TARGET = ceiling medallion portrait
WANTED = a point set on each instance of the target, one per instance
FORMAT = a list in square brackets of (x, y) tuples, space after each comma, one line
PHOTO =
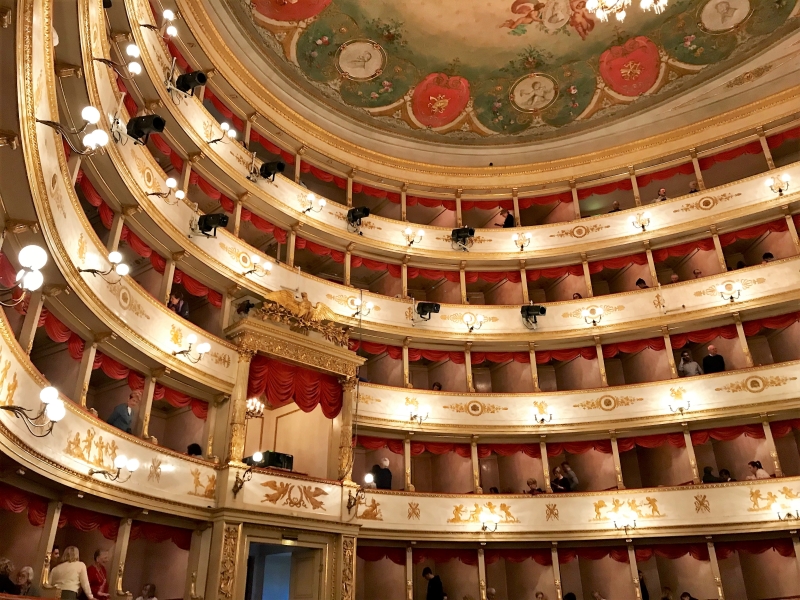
[(504, 68)]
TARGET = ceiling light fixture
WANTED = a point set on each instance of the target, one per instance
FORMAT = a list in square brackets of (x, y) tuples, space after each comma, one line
[(603, 8), (193, 358), (52, 411), (117, 267), (657, 6), (228, 133), (473, 322), (29, 278), (92, 141), (641, 221), (257, 267), (592, 315), (167, 28), (255, 409), (779, 185), (362, 309), (412, 237), (420, 414), (121, 462), (730, 290), (127, 72)]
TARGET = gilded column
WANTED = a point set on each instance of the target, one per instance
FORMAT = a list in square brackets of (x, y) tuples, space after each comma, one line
[(85, 372), (673, 369), (617, 462), (165, 287), (238, 408), (291, 243), (637, 588), (186, 172), (41, 566), (773, 451), (227, 303), (409, 487), (146, 404), (534, 369), (796, 544), (515, 202), (346, 436), (236, 223), (410, 573), (31, 321), (224, 561), (468, 366), (637, 198), (545, 464), (792, 227), (556, 569), (348, 258), (116, 571), (718, 248), (697, 172), (601, 361), (404, 202), (199, 555), (587, 275), (651, 263), (743, 339), (687, 438), (348, 572), (765, 147), (481, 574), (350, 188), (115, 232), (576, 205), (459, 219), (476, 466), (404, 277), (523, 281), (712, 555), (298, 161), (406, 372), (462, 279)]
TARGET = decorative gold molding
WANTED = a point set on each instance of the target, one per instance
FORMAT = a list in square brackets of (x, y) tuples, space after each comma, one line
[(306, 497), (755, 384), (474, 408), (227, 572), (608, 402)]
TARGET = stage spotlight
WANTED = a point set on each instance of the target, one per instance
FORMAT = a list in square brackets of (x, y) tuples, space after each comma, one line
[(354, 216), (270, 169), (425, 309), (207, 224), (188, 81), (529, 312), (461, 238), (140, 128)]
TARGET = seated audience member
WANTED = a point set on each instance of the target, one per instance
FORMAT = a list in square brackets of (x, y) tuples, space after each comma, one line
[(756, 470), (435, 587), (725, 475), (436, 387), (697, 273), (693, 187), (70, 575), (641, 284), (559, 482), (98, 578), (508, 219), (687, 596), (688, 366), (674, 278), (178, 305), (540, 596), (740, 265), (713, 363), (494, 490), (666, 593), (767, 257), (643, 587), (491, 594), (709, 477), (24, 581), (577, 296), (570, 596), (383, 478), (533, 487), (122, 415), (614, 207), (662, 195), (570, 474), (148, 592), (194, 450), (6, 585)]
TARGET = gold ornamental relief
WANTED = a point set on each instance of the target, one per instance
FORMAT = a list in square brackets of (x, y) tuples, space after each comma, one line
[(478, 239), (540, 406), (348, 567), (414, 511), (769, 499), (594, 310), (7, 399), (146, 173), (730, 286), (82, 248), (749, 76), (579, 231), (126, 300), (243, 258), (551, 512), (282, 307), (227, 573), (92, 451), (463, 515), (176, 335), (706, 203), (472, 317), (348, 301), (367, 399), (474, 408), (55, 194), (412, 402), (756, 384), (220, 358), (294, 496), (702, 504), (155, 470), (607, 402), (644, 509), (371, 512), (203, 490)]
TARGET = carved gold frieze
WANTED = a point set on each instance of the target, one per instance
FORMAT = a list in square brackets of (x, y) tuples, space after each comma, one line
[(371, 512), (645, 509), (348, 567), (348, 301), (294, 496), (478, 239), (756, 498), (459, 318), (659, 303), (367, 399), (409, 314), (414, 511), (7, 399), (706, 203), (749, 76), (207, 490), (146, 173), (282, 307), (462, 515), (755, 384), (221, 358), (551, 512), (126, 300), (702, 504), (93, 451), (593, 311), (729, 286), (580, 231), (82, 248), (475, 408), (155, 470), (176, 335), (56, 195), (412, 402), (607, 402), (227, 572), (540, 406)]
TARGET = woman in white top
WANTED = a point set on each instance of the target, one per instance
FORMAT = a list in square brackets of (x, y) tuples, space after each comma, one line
[(70, 575), (148, 592), (756, 470)]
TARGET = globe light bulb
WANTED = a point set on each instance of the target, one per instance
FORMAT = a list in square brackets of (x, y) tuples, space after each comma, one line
[(370, 305), (420, 233), (180, 194), (191, 338), (171, 183), (515, 237), (55, 411), (255, 259), (89, 141), (133, 51), (369, 478), (134, 68), (770, 182), (122, 269), (168, 15), (203, 348), (48, 395), (32, 257), (90, 114), (322, 202), (120, 461), (268, 266), (224, 126), (172, 31), (32, 281), (407, 231), (232, 134), (258, 457), (357, 302), (785, 178), (100, 137), (132, 465), (114, 257)]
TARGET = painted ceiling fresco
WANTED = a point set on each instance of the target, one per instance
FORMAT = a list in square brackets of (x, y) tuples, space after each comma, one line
[(473, 69)]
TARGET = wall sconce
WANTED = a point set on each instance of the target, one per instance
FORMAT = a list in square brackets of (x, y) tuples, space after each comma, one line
[(228, 133), (473, 322), (257, 268), (353, 500), (311, 207), (117, 266), (522, 241), (172, 185), (792, 515), (53, 410), (187, 352), (240, 480), (624, 522), (641, 221), (411, 237), (92, 141), (680, 407), (255, 409), (132, 69), (29, 278), (592, 315), (730, 290), (779, 185), (542, 419), (167, 28), (420, 415), (120, 463), (489, 521), (362, 309)]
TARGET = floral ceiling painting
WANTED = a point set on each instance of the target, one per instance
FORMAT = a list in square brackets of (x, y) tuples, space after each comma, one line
[(506, 68)]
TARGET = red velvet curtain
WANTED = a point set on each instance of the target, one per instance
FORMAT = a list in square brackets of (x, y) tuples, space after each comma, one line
[(709, 161), (395, 352), (632, 347), (431, 202), (773, 141), (783, 428), (556, 448), (703, 336), (500, 357), (441, 555), (172, 397), (508, 204), (676, 440), (782, 546), (542, 556), (566, 555), (554, 272), (493, 276), (415, 354), (684, 169), (281, 383), (375, 553), (663, 254), (672, 551), (195, 288), (376, 443), (778, 322), (755, 231), (543, 200), (156, 533), (434, 274), (532, 450), (545, 356), (607, 188), (617, 263), (417, 448), (727, 433)]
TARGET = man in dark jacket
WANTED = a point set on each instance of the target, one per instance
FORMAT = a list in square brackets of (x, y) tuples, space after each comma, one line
[(713, 363), (435, 588), (178, 305)]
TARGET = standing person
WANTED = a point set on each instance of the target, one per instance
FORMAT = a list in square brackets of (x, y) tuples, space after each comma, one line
[(508, 219), (383, 477), (693, 187), (643, 587), (662, 195), (55, 556), (71, 576), (570, 474), (559, 483), (122, 415), (98, 577), (148, 592), (688, 366), (756, 470), (6, 585), (713, 363), (435, 587)]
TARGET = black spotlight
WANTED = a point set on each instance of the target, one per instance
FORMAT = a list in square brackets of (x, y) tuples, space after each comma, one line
[(529, 312), (188, 81), (140, 128), (461, 238), (354, 216), (207, 224), (106, 3), (270, 169), (425, 309)]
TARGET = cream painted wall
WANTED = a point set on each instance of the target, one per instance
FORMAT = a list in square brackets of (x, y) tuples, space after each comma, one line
[(561, 213), (515, 470), (448, 292), (645, 366), (607, 576), (387, 285), (769, 575), (418, 375), (421, 473), (564, 288), (20, 538), (735, 454), (512, 377), (451, 474), (685, 574), (578, 374), (58, 367), (380, 580), (788, 454), (163, 564), (150, 280), (760, 350), (571, 580), (182, 428), (662, 466)]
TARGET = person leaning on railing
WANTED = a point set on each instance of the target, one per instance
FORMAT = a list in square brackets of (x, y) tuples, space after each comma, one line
[(70, 576)]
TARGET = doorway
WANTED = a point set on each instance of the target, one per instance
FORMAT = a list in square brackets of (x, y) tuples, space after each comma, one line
[(283, 572)]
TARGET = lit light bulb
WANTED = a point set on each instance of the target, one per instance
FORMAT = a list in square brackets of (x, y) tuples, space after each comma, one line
[(203, 348), (224, 126), (114, 258), (132, 465), (168, 15), (180, 194), (122, 269), (408, 231), (770, 181), (55, 411), (120, 461), (232, 134), (133, 51), (369, 478), (172, 31), (191, 338), (370, 305), (357, 302), (134, 68), (100, 137), (255, 259), (90, 140), (515, 237), (32, 281), (171, 183), (32, 257), (90, 114), (48, 395), (322, 202), (258, 457), (268, 266), (785, 178)]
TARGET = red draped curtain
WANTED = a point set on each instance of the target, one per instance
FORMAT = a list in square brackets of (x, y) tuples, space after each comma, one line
[(566, 555), (672, 551), (617, 263), (663, 254), (773, 141), (542, 556), (703, 336), (684, 169), (632, 347), (281, 383), (753, 232), (545, 356), (725, 434), (441, 555), (676, 440), (556, 448), (709, 161), (606, 188), (375, 553), (532, 450), (778, 322), (782, 546), (417, 448), (543, 200), (554, 272)]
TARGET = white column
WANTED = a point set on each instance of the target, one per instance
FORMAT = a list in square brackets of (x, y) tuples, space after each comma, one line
[(199, 554), (409, 487), (576, 205), (697, 172), (117, 569), (556, 569), (617, 462), (712, 555), (31, 321), (635, 185), (476, 466), (743, 339), (687, 438), (146, 406), (773, 451), (545, 464), (115, 232), (601, 361), (42, 563), (481, 574), (587, 276), (765, 147)]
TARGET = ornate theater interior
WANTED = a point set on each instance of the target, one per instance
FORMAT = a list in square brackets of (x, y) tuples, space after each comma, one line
[(379, 300)]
